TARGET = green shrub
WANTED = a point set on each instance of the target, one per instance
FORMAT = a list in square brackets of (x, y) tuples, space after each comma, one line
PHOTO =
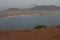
[(40, 26)]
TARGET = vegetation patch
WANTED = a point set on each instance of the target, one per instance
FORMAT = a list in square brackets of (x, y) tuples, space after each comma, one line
[(40, 26)]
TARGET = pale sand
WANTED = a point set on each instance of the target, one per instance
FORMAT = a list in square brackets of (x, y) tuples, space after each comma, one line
[(27, 12), (16, 16)]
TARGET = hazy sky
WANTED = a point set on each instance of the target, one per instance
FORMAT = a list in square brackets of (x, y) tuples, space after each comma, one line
[(23, 3)]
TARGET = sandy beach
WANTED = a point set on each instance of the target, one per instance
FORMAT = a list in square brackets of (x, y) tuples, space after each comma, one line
[(14, 13), (16, 16)]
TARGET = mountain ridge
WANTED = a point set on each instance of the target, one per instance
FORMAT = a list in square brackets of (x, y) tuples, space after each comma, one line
[(44, 7), (38, 7), (35, 10)]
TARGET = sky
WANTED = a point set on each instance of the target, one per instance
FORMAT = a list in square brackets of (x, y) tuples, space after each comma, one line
[(4, 4)]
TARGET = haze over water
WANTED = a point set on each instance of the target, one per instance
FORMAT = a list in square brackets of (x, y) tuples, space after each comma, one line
[(5, 4)]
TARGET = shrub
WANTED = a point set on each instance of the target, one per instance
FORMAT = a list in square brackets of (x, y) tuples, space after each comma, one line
[(40, 26)]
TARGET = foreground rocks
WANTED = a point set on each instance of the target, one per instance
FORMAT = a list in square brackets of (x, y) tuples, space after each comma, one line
[(50, 33)]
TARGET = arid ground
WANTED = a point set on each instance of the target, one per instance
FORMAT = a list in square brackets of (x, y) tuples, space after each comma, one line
[(12, 12), (50, 33)]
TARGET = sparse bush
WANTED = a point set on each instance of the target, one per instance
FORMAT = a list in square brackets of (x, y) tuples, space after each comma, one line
[(40, 26), (57, 25)]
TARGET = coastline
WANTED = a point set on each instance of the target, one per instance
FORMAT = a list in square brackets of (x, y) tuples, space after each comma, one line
[(16, 16), (11, 14)]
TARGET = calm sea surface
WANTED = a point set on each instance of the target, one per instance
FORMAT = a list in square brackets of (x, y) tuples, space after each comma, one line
[(29, 21)]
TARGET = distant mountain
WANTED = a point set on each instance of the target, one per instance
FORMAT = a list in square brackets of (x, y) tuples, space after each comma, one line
[(17, 11), (10, 10), (43, 7)]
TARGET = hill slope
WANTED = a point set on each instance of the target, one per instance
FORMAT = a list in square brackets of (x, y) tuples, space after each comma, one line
[(43, 7), (35, 10), (51, 33)]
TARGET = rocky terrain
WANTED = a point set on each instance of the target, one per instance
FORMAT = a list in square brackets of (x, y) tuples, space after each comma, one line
[(50, 33), (41, 10)]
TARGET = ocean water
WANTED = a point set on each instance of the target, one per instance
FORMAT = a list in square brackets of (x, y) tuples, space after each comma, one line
[(29, 21)]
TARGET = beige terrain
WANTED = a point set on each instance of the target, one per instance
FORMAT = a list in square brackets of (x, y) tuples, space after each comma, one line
[(11, 12), (50, 33)]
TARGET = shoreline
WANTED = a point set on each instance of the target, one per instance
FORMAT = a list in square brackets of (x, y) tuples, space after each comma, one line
[(22, 15), (10, 13), (16, 16)]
